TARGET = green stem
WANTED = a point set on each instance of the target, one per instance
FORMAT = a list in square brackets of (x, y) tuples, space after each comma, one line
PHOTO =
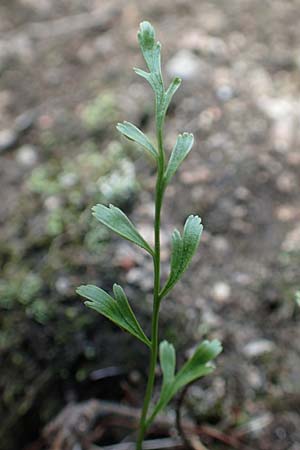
[(156, 298)]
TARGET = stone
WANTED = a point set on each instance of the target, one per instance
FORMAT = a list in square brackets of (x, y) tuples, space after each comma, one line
[(239, 212), (282, 133), (25, 121), (242, 193), (292, 240), (199, 175), (8, 139), (287, 213), (225, 93), (187, 66), (135, 377), (210, 319), (86, 54), (241, 278), (220, 245), (68, 179), (27, 155), (52, 202), (286, 182), (254, 378), (204, 43), (140, 277), (257, 424), (241, 226), (62, 285), (221, 292), (259, 347), (293, 159)]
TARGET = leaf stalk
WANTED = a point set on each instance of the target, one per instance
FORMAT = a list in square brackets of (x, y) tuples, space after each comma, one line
[(159, 193)]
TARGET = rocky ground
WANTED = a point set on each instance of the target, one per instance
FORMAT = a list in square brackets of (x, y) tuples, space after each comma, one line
[(66, 79)]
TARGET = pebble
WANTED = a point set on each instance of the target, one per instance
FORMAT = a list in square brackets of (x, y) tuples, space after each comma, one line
[(25, 121), (208, 117), (8, 139), (277, 108), (86, 54), (211, 319), (127, 258), (292, 240), (146, 230), (239, 212), (242, 193), (254, 378), (258, 348), (241, 226), (241, 278), (206, 44), (134, 377), (68, 179), (200, 175), (225, 93), (52, 202), (282, 133), (257, 424), (103, 45), (220, 245), (62, 285), (286, 213), (186, 65), (293, 159), (140, 277), (286, 182), (221, 292), (27, 155)]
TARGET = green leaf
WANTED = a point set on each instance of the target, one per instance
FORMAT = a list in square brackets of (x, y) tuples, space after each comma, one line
[(170, 92), (183, 249), (132, 132), (181, 149), (152, 54), (118, 222), (196, 367), (150, 48), (116, 309), (167, 358), (155, 81), (125, 308), (199, 364)]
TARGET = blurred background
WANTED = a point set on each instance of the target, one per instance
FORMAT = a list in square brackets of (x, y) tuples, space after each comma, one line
[(65, 80)]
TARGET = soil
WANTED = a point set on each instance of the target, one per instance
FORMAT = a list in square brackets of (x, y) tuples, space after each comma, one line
[(66, 79)]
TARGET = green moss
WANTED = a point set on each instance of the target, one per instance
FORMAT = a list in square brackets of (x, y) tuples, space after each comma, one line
[(100, 112), (46, 335)]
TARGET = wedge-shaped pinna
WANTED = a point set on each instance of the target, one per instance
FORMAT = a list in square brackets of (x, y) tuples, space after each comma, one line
[(133, 133), (152, 54), (183, 249), (150, 48), (181, 149), (116, 309), (118, 222), (199, 365)]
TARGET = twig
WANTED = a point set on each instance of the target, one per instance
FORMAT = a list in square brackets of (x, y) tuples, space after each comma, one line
[(155, 444), (192, 441), (218, 435), (76, 422)]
